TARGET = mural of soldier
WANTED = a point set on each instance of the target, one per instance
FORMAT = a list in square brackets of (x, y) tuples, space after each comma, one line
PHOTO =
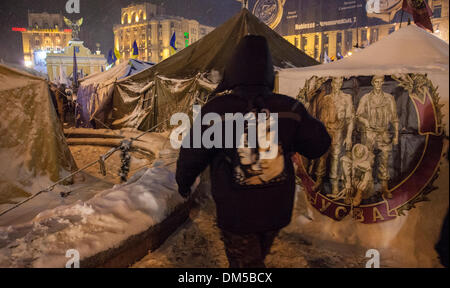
[(378, 181), (357, 171), (376, 112), (336, 111)]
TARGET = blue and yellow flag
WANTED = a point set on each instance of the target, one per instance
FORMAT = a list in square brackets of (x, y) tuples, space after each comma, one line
[(117, 55), (111, 57), (75, 68), (173, 44), (135, 51)]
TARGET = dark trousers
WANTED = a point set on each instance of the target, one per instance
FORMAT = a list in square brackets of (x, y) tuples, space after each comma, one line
[(248, 250)]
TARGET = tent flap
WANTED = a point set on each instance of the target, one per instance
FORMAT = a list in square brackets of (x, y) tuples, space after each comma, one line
[(32, 141), (190, 75)]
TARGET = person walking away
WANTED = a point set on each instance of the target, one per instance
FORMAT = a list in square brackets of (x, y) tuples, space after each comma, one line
[(254, 194)]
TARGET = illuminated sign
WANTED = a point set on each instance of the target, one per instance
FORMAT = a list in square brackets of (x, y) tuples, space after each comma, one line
[(16, 29), (186, 37), (40, 60), (312, 16)]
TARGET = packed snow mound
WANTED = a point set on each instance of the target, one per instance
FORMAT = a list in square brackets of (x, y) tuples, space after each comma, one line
[(96, 225)]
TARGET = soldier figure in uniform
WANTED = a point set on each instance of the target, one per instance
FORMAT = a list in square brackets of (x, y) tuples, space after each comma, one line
[(376, 112), (357, 170), (336, 111)]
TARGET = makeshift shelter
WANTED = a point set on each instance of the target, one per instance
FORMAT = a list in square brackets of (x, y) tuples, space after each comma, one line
[(188, 77), (33, 150), (94, 95), (415, 68)]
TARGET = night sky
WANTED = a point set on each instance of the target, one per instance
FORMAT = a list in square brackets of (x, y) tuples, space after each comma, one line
[(99, 18)]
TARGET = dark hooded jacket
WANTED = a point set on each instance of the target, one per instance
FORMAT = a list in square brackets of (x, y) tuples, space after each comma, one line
[(249, 78)]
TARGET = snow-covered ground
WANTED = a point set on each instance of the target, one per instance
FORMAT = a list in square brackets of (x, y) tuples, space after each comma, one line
[(95, 216), (197, 244), (95, 225), (87, 184)]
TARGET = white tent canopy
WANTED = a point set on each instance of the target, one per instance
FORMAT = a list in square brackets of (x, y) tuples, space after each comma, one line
[(408, 50)]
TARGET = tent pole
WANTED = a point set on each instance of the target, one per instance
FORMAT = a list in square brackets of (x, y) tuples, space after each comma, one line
[(401, 18), (357, 26)]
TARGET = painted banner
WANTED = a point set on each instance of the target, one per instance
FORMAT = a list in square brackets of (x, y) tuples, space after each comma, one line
[(387, 143)]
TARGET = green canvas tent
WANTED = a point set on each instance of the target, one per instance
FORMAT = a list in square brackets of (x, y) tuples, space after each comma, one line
[(150, 97), (33, 150)]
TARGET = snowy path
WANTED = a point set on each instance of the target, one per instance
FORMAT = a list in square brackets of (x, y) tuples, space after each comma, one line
[(197, 244)]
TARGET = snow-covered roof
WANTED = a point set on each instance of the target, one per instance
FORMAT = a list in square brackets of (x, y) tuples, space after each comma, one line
[(119, 71), (408, 50)]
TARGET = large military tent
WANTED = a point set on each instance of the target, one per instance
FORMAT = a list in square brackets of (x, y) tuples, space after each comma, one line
[(150, 97), (404, 228), (94, 95), (33, 150)]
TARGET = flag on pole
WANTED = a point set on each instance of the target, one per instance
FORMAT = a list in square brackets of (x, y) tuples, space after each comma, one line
[(75, 68), (62, 76), (135, 51), (421, 12), (111, 57), (326, 59), (173, 44), (116, 55)]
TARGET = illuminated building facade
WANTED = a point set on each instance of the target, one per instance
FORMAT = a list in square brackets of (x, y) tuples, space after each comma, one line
[(335, 27), (45, 34), (60, 65), (152, 30)]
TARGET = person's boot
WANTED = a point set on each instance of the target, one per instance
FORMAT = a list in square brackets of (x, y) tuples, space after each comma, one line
[(318, 184), (358, 198), (385, 190), (348, 195)]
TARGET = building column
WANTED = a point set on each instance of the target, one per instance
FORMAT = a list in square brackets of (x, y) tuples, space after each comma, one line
[(54, 72), (332, 44)]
